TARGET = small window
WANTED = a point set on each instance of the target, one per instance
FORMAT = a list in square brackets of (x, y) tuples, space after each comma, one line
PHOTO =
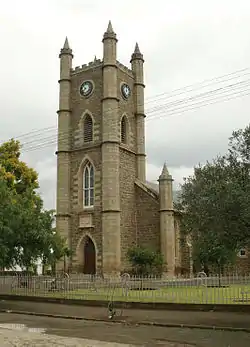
[(242, 253), (124, 130), (88, 185), (88, 129)]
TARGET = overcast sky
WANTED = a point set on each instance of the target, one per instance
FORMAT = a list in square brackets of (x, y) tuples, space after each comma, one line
[(183, 42)]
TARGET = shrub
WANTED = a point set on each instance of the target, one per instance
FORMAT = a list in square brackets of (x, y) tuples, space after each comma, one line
[(144, 261)]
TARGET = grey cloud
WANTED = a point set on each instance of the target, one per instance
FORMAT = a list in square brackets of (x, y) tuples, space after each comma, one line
[(44, 162), (48, 192), (186, 154), (187, 43), (194, 137)]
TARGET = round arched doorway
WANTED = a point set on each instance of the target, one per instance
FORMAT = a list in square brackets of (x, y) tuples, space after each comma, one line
[(89, 256)]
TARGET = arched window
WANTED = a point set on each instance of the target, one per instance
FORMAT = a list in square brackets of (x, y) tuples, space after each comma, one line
[(88, 185), (124, 129), (88, 129)]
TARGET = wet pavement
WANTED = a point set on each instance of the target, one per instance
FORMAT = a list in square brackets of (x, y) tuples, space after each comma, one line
[(12, 337), (63, 332)]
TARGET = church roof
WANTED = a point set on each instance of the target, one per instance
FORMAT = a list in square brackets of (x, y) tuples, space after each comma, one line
[(155, 187)]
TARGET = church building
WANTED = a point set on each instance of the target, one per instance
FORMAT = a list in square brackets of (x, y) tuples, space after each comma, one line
[(104, 203)]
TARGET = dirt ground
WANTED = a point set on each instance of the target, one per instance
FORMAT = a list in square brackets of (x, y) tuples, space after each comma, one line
[(128, 334)]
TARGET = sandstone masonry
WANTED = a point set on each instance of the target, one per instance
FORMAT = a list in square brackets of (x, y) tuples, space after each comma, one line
[(104, 203)]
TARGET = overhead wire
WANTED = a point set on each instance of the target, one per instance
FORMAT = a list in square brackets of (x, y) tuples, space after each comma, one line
[(227, 90), (64, 136), (176, 92), (222, 98), (179, 106)]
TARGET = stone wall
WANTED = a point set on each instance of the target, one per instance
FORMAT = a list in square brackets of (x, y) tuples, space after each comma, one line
[(147, 217), (77, 231), (127, 194), (183, 256), (127, 107), (93, 104)]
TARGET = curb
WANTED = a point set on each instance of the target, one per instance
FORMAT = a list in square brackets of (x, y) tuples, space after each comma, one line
[(232, 308), (119, 321)]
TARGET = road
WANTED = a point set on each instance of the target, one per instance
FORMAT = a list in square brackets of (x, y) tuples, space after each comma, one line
[(130, 335)]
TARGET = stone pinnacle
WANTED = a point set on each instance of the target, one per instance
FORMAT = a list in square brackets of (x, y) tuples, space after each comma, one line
[(137, 49), (110, 28), (66, 43)]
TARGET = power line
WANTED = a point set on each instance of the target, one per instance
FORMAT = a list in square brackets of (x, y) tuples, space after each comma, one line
[(207, 94), (183, 90), (199, 85), (172, 106), (64, 135), (215, 100), (235, 96)]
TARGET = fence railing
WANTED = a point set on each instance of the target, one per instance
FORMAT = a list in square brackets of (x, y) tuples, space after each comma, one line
[(199, 290)]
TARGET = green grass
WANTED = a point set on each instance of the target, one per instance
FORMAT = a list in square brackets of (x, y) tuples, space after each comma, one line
[(197, 295)]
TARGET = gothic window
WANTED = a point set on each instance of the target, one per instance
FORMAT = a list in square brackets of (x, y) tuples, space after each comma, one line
[(88, 185), (88, 129), (124, 130)]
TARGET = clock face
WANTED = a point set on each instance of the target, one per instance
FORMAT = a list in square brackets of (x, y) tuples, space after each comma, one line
[(125, 91), (86, 88)]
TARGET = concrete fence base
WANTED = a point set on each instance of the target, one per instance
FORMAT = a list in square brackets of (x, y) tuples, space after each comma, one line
[(133, 305)]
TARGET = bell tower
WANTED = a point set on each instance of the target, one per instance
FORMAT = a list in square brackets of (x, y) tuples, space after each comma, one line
[(101, 154)]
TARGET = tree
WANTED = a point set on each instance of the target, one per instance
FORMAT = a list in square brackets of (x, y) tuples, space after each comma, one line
[(16, 173), (216, 204), (8, 225), (56, 249), (25, 226), (145, 261), (35, 231)]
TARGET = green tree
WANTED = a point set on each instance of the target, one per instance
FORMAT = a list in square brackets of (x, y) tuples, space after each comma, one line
[(16, 173), (216, 205), (9, 208), (26, 227), (35, 231), (144, 261), (56, 249)]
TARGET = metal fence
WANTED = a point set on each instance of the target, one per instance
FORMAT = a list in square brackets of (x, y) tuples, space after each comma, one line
[(198, 290)]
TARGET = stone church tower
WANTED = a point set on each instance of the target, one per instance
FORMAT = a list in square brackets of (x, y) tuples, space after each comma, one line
[(104, 204)]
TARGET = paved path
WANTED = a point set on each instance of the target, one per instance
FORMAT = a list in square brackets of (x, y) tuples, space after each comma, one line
[(10, 337), (217, 319), (116, 334)]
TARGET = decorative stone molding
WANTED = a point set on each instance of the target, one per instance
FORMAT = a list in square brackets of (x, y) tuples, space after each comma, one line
[(86, 221)]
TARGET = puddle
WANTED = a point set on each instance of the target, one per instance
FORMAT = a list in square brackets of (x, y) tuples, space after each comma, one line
[(22, 327)]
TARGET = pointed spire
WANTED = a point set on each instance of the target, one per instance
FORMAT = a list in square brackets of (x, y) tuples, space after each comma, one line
[(95, 59), (137, 54), (165, 170), (110, 28), (66, 50), (109, 33), (165, 173), (137, 49), (66, 44)]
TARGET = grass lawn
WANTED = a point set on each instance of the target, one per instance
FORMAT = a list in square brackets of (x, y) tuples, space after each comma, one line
[(235, 294)]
